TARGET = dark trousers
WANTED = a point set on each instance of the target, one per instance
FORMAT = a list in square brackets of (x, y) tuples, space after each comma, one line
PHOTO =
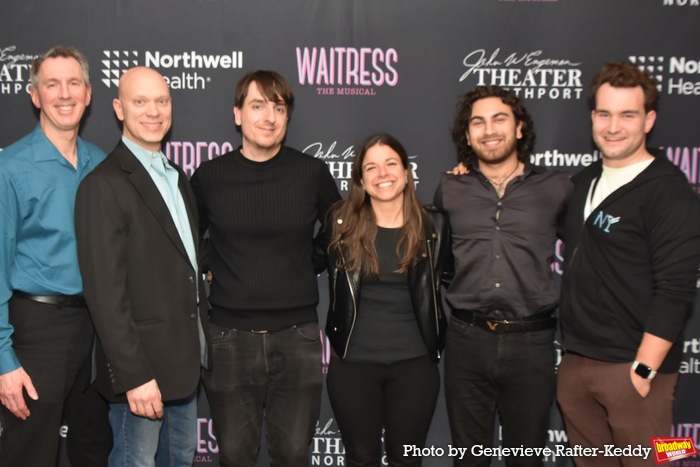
[(54, 347), (601, 407), (398, 397), (511, 374), (276, 375), (89, 439)]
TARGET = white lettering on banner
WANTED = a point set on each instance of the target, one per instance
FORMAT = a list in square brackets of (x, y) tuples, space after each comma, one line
[(327, 446), (6, 56), (554, 158), (683, 65), (690, 367), (683, 88), (680, 86), (14, 76), (526, 74), (193, 59), (340, 168), (316, 150), (186, 81), (692, 346), (557, 436), (681, 2), (116, 62), (10, 72)]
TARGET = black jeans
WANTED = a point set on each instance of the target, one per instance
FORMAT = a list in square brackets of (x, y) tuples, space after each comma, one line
[(399, 397), (511, 374), (276, 375)]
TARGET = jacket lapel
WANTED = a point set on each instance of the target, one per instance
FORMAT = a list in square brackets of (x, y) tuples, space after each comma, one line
[(150, 195)]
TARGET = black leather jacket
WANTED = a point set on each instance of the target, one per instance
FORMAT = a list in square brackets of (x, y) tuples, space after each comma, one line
[(424, 286)]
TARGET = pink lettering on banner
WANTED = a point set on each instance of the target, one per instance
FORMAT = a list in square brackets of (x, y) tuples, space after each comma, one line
[(189, 155), (206, 441), (347, 66), (325, 353), (686, 158)]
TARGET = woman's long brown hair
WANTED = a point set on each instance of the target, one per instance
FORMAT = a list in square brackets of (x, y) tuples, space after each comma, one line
[(355, 226)]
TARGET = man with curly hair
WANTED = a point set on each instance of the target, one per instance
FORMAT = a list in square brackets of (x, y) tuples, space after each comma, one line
[(504, 214)]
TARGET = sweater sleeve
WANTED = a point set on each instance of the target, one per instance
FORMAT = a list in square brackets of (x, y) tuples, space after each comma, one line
[(674, 250)]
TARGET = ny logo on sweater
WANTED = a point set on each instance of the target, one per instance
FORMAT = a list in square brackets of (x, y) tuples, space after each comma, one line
[(605, 221)]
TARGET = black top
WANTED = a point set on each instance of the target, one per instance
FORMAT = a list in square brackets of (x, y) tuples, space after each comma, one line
[(503, 247), (386, 330), (261, 218)]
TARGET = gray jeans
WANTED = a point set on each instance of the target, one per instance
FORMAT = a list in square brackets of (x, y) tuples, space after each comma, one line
[(276, 375)]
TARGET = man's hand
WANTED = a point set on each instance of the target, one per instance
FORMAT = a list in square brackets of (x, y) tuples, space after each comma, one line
[(11, 385), (461, 169), (643, 386), (145, 401)]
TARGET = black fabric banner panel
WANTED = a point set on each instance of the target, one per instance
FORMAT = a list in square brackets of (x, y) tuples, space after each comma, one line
[(359, 67)]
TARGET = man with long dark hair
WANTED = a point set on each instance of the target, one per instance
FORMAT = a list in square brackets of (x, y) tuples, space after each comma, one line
[(504, 214)]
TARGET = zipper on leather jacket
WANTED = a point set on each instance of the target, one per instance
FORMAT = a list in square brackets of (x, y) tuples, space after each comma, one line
[(434, 294), (354, 304)]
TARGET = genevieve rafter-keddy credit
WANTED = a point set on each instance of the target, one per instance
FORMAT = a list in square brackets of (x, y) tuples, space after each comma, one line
[(559, 450)]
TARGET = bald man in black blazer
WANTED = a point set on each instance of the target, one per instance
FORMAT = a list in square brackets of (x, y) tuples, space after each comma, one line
[(137, 248)]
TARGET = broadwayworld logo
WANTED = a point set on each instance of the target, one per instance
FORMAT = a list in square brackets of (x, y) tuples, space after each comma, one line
[(671, 449)]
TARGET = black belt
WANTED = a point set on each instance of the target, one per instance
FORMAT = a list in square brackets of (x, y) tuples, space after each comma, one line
[(68, 301), (537, 322)]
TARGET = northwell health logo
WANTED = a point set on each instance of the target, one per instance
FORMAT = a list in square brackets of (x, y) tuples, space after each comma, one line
[(180, 70), (676, 75), (652, 65), (115, 63)]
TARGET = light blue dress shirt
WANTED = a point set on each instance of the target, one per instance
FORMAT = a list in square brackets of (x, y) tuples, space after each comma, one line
[(166, 180), (38, 253)]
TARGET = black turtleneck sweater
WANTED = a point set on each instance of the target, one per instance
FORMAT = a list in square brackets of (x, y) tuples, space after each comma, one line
[(261, 218)]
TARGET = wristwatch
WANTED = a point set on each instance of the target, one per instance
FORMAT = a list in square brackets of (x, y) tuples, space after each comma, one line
[(643, 370)]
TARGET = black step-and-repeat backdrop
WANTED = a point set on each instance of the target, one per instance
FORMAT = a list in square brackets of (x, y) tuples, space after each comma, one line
[(362, 66)]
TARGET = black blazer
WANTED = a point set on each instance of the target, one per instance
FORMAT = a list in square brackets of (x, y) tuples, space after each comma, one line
[(138, 281)]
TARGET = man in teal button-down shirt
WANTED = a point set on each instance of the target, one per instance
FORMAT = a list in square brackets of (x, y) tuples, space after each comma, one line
[(46, 334)]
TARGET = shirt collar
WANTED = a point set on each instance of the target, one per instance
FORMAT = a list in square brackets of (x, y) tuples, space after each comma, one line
[(45, 150), (144, 156)]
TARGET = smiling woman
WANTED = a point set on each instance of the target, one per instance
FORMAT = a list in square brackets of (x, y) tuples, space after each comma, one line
[(387, 250)]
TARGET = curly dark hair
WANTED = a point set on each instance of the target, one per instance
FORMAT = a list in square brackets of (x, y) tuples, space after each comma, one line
[(464, 113), (624, 75)]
